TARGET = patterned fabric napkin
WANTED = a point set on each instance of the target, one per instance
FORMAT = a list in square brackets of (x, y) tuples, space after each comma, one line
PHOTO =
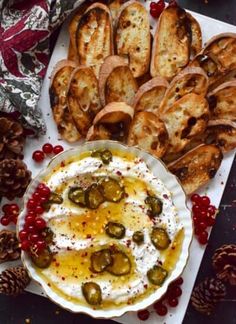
[(25, 28)]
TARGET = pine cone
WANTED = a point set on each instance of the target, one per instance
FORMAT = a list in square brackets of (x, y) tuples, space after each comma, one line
[(13, 281), (224, 263), (14, 178), (9, 246), (207, 294), (11, 139)]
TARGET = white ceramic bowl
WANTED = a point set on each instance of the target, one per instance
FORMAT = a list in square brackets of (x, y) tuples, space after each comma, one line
[(179, 199)]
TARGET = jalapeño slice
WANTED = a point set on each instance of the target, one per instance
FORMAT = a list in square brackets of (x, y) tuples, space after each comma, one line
[(111, 189), (92, 293), (157, 275)]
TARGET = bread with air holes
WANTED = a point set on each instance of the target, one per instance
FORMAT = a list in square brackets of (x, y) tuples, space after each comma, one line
[(149, 133), (83, 98), (197, 167), (95, 36), (190, 80), (172, 43), (222, 101), (116, 81), (132, 36), (58, 90), (150, 95), (185, 119)]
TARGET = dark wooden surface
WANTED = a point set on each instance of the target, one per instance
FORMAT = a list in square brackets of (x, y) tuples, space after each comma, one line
[(40, 310)]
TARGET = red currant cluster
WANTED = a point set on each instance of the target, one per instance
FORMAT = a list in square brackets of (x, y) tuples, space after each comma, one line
[(203, 216), (31, 235), (156, 8), (11, 212), (170, 298), (39, 155)]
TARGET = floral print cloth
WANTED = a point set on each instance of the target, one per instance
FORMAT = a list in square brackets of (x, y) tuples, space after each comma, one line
[(25, 28)]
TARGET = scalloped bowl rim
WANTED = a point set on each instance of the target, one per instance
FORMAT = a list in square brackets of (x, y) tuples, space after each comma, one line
[(179, 199)]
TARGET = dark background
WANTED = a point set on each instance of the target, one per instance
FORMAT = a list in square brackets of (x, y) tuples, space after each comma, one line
[(40, 310)]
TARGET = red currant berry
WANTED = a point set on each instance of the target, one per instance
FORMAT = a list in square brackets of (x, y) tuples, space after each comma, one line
[(14, 220), (196, 220), (31, 204), (47, 148), (29, 220), (39, 210), (5, 221), (197, 230), (58, 149), (34, 237), (195, 198), (153, 5), (211, 210), (45, 191), (179, 281), (40, 186), (40, 245), (175, 291), (143, 315), (5, 208), (38, 156), (23, 234), (210, 221), (196, 209), (161, 310), (14, 209), (203, 237), (203, 215), (173, 302), (202, 226), (40, 223), (205, 200), (25, 245), (36, 196), (43, 200), (30, 228)]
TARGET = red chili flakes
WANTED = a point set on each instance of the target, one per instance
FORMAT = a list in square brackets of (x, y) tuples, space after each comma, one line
[(145, 286), (63, 278), (83, 223), (128, 243), (57, 264), (62, 164), (118, 173), (49, 285), (165, 196), (84, 254), (88, 236)]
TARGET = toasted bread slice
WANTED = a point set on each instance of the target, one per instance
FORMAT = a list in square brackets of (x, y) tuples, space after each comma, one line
[(133, 38), (98, 132), (190, 80), (196, 43), (58, 87), (116, 81), (115, 118), (171, 45), (227, 76), (150, 95), (222, 101), (187, 118), (95, 36), (148, 132), (72, 53), (197, 167), (83, 98)]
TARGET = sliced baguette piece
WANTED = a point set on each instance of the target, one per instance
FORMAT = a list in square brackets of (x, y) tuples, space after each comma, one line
[(190, 80), (148, 132), (58, 88), (133, 39), (187, 118), (172, 42), (98, 132), (222, 101), (196, 43), (115, 117), (95, 36), (150, 95), (227, 76), (116, 81), (197, 167), (114, 7), (83, 98)]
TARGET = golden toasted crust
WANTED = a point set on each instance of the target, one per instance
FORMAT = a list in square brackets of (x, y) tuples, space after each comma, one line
[(197, 167), (115, 117), (83, 99), (185, 119), (95, 36), (226, 76), (148, 132), (116, 82), (98, 132), (171, 45), (115, 6), (190, 80), (58, 89), (222, 101), (133, 38), (150, 95), (196, 44)]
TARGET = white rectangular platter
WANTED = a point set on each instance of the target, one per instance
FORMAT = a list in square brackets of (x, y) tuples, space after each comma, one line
[(214, 190)]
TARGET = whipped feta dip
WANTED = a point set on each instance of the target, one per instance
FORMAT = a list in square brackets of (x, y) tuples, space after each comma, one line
[(79, 231)]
